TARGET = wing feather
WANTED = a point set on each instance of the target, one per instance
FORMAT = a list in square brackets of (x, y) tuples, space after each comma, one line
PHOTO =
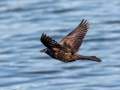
[(74, 39), (49, 42)]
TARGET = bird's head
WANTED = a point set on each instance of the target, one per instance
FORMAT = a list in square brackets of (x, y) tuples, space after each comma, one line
[(47, 51), (43, 50)]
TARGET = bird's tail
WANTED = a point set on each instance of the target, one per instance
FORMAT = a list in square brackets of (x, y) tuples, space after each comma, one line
[(93, 58)]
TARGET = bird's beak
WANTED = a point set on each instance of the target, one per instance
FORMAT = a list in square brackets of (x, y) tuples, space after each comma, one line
[(42, 51)]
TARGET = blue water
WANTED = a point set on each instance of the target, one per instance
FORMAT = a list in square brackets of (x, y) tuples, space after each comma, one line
[(22, 22)]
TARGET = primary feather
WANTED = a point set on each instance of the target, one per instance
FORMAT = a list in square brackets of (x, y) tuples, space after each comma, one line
[(74, 39)]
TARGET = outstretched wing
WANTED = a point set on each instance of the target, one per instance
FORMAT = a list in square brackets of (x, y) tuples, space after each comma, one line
[(49, 42), (74, 39)]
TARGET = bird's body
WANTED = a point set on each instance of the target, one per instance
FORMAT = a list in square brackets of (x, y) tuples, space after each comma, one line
[(67, 50), (63, 56), (68, 56)]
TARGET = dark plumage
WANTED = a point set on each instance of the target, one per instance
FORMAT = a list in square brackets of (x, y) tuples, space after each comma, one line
[(67, 50)]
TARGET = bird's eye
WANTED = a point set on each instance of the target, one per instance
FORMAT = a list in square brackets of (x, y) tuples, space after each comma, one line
[(45, 49)]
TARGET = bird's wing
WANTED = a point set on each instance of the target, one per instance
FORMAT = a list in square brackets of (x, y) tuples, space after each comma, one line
[(49, 42), (74, 39)]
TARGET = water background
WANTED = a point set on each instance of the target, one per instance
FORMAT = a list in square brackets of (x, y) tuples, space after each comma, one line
[(22, 22)]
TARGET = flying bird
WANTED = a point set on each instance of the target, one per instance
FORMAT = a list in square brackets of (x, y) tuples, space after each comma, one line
[(66, 50)]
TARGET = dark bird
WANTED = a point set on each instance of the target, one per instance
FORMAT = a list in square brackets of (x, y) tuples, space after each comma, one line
[(67, 50)]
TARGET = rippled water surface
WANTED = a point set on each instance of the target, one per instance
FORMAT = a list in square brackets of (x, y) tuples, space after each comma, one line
[(22, 22)]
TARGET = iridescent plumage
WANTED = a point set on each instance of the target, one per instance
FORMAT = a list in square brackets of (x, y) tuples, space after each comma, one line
[(67, 50)]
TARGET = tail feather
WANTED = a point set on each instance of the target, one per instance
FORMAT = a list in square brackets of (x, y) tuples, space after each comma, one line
[(93, 58)]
